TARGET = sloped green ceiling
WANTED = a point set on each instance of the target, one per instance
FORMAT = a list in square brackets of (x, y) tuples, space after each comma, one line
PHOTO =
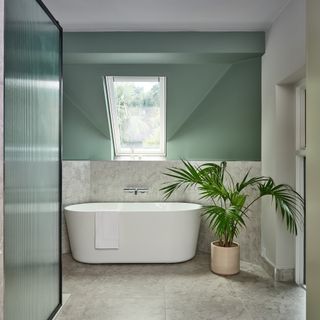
[(81, 139), (213, 104), (226, 124), (187, 86)]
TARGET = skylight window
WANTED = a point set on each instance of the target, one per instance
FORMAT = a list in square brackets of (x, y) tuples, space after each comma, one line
[(136, 108)]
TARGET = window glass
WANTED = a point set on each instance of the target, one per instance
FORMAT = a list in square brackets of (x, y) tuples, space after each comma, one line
[(137, 115)]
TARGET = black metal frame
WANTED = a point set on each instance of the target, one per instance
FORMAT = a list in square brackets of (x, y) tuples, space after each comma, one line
[(56, 23)]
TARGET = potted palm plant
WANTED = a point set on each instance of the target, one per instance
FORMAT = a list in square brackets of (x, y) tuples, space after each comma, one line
[(229, 206)]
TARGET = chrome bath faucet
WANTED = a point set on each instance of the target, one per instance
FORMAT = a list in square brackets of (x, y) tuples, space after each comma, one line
[(135, 190)]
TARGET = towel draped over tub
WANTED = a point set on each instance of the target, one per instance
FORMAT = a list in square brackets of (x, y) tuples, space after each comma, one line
[(107, 230)]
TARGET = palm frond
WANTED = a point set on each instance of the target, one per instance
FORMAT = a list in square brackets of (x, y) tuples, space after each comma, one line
[(187, 177), (255, 181), (226, 222), (215, 183), (287, 201)]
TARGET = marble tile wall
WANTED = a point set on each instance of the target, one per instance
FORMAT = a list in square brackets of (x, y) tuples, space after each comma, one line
[(75, 189), (85, 181)]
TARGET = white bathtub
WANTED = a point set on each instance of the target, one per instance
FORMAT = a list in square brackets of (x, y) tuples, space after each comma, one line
[(148, 232)]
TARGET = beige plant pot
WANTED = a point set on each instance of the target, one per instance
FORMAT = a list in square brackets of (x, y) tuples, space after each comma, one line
[(225, 261)]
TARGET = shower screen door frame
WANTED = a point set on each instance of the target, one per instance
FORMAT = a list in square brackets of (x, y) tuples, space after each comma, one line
[(37, 9)]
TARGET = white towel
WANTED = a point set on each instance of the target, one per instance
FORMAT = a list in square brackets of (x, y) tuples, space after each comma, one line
[(106, 230)]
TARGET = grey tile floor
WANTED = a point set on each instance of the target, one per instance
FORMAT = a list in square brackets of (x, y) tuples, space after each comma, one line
[(184, 291)]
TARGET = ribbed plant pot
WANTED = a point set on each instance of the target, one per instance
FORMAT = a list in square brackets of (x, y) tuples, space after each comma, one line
[(225, 261)]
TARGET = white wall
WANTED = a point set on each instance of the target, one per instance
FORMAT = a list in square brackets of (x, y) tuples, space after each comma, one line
[(282, 65), (313, 159)]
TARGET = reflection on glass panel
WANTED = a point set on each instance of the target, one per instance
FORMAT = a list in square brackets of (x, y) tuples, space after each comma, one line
[(32, 162)]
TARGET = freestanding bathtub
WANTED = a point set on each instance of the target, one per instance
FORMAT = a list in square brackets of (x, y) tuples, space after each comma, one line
[(164, 232)]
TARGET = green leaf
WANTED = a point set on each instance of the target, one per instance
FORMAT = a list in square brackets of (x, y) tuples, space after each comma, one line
[(287, 201), (226, 216)]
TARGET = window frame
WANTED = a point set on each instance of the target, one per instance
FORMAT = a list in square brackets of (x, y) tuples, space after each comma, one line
[(301, 145), (140, 153)]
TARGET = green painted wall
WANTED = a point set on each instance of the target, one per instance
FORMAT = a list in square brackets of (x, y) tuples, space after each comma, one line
[(164, 42), (226, 125), (81, 139), (213, 104), (187, 86)]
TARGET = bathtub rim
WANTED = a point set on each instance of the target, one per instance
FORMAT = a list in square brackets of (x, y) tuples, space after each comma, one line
[(195, 207)]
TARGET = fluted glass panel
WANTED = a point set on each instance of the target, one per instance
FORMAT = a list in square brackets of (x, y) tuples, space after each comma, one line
[(32, 162)]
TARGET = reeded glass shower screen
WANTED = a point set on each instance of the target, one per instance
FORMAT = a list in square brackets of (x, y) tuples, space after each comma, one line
[(32, 154)]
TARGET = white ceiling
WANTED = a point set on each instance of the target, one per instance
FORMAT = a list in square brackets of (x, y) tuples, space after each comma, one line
[(166, 15)]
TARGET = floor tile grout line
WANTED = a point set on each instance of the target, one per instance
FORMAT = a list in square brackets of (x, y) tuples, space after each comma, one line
[(242, 302), (196, 269)]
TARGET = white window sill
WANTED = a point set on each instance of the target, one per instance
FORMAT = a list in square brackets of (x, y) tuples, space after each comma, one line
[(139, 158)]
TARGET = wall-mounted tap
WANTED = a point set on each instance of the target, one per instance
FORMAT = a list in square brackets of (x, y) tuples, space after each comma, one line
[(135, 190)]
